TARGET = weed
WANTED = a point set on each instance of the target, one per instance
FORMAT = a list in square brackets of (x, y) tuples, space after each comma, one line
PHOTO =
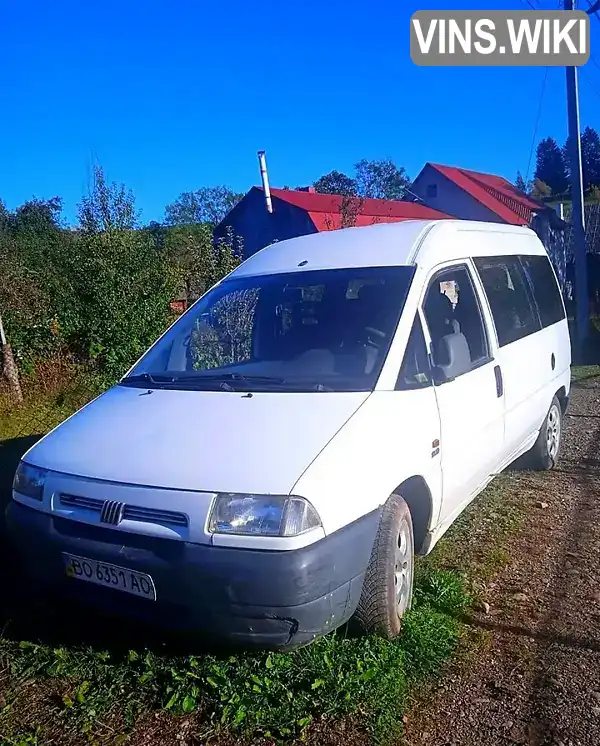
[(28, 738), (275, 695)]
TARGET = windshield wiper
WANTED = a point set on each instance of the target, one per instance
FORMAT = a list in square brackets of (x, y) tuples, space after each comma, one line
[(250, 379), (226, 381), (154, 380), (226, 378)]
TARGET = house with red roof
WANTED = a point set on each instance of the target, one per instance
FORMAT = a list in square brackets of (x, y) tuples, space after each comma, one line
[(473, 195), (298, 212)]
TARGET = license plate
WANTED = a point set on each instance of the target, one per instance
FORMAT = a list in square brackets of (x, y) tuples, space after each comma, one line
[(110, 576)]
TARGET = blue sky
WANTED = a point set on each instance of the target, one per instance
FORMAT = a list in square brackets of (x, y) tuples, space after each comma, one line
[(173, 96)]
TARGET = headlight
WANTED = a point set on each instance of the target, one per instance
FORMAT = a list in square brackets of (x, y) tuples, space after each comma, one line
[(29, 481), (262, 515)]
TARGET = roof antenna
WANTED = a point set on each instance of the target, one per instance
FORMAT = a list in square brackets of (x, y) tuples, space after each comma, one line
[(265, 179)]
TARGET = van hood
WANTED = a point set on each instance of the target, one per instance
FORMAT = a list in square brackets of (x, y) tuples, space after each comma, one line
[(197, 440)]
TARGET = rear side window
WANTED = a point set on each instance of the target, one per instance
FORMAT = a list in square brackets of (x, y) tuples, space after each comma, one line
[(545, 289), (509, 295)]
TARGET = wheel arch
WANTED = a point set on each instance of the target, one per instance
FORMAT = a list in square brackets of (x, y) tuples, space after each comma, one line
[(416, 494), (563, 398)]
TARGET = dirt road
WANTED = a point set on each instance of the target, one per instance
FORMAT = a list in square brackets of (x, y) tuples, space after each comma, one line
[(537, 682)]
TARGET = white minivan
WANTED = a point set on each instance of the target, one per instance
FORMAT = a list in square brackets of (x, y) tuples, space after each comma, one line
[(269, 468)]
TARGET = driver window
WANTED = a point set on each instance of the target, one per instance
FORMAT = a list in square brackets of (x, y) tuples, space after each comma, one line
[(451, 307)]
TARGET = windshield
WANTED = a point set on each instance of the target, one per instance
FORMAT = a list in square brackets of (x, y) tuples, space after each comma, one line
[(321, 330)]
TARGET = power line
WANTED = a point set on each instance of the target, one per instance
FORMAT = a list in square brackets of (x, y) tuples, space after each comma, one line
[(537, 122), (593, 8), (590, 82)]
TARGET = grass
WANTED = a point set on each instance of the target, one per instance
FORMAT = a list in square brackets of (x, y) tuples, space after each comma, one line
[(277, 696), (62, 691), (584, 372)]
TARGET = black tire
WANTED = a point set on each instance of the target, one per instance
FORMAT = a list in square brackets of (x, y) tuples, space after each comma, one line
[(380, 610), (544, 454)]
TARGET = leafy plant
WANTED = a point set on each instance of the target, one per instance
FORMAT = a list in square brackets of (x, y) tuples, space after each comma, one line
[(274, 695)]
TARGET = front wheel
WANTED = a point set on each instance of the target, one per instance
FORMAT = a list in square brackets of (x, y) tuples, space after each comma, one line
[(545, 452), (387, 588)]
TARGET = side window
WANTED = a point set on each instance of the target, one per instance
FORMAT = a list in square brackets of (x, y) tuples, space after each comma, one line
[(509, 296), (415, 372), (451, 306), (545, 289)]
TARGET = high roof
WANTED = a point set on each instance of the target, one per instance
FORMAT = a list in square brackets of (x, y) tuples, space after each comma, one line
[(494, 192), (386, 245), (326, 210)]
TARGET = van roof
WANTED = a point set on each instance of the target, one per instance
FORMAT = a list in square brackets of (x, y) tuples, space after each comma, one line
[(411, 242)]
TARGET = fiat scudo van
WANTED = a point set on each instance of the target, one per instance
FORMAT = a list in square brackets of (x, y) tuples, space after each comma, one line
[(269, 468)]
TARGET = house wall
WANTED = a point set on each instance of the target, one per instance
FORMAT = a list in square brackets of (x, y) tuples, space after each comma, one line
[(450, 198), (258, 228)]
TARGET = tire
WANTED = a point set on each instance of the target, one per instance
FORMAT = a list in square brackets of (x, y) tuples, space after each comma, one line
[(382, 603), (544, 454)]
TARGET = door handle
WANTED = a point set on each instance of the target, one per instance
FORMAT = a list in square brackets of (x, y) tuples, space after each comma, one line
[(499, 383)]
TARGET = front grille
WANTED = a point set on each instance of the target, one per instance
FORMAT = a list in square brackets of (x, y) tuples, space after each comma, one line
[(129, 513), (151, 515), (75, 501)]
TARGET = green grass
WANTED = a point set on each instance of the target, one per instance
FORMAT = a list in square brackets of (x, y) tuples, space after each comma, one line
[(42, 410), (275, 695), (70, 694), (584, 372)]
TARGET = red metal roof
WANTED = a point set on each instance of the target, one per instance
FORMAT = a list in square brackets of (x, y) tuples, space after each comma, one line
[(325, 210), (494, 192)]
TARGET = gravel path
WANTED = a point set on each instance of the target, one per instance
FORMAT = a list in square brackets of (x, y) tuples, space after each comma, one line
[(538, 680)]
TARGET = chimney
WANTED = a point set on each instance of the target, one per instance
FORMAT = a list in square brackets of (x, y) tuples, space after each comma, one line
[(309, 189), (265, 179)]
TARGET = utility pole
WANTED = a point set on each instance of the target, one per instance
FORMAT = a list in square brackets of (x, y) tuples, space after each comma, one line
[(577, 212)]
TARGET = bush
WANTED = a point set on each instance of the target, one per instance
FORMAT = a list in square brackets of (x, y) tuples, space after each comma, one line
[(102, 292)]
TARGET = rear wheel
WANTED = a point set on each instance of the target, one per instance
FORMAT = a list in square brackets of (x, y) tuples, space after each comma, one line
[(387, 587), (544, 454)]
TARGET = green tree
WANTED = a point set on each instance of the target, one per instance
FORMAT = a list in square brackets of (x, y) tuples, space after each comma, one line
[(205, 205), (197, 260), (590, 158), (378, 179), (381, 179), (107, 207), (520, 183), (122, 281), (35, 292), (540, 190), (336, 182), (4, 217), (550, 166)]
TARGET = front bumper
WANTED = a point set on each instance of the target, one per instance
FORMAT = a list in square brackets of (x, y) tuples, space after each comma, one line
[(273, 599)]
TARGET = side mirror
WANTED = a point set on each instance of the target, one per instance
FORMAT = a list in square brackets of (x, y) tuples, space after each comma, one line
[(454, 358)]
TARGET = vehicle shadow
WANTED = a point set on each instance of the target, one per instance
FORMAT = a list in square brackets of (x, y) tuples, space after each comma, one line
[(29, 613)]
